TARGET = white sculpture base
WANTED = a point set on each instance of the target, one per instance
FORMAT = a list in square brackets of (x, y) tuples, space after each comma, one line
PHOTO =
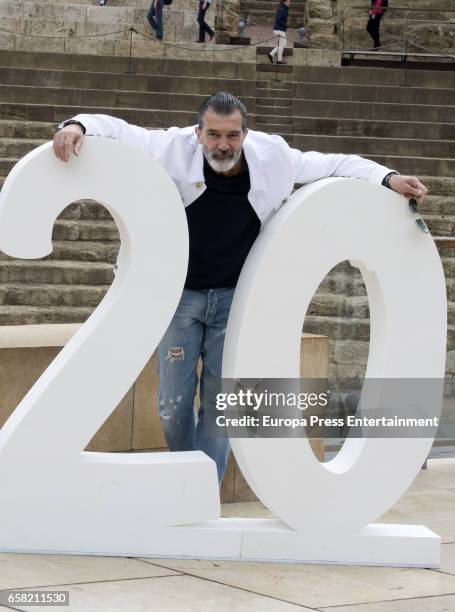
[(261, 540)]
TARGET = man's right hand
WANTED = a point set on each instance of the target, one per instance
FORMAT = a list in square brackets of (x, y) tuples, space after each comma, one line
[(68, 140)]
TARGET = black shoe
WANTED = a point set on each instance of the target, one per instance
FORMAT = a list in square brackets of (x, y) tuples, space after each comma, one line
[(282, 62), (270, 56)]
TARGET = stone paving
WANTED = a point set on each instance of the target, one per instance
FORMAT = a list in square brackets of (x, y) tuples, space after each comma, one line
[(114, 584)]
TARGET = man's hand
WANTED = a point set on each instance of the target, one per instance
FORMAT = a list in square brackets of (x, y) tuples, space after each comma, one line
[(409, 186), (204, 6), (68, 140)]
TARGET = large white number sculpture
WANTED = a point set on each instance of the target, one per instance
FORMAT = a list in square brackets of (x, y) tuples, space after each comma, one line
[(54, 497)]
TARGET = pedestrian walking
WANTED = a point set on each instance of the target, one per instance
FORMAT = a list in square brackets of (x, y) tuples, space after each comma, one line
[(204, 27), (378, 7), (279, 30), (155, 18)]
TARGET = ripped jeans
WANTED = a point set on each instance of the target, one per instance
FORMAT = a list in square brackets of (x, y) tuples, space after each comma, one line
[(196, 330)]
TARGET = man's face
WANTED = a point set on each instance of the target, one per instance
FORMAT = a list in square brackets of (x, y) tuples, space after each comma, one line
[(222, 139)]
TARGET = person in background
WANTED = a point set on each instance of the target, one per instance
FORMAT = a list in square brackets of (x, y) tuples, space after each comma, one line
[(204, 27), (378, 7), (279, 29), (102, 2), (155, 18)]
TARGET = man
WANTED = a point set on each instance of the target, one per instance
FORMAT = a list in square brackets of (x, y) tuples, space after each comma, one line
[(204, 27), (378, 7), (279, 30), (232, 180), (155, 18)]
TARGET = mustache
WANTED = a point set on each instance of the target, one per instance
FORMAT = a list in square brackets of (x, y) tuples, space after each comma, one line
[(222, 154)]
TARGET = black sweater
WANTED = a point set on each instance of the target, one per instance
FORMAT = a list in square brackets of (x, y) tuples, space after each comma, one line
[(222, 226), (281, 18)]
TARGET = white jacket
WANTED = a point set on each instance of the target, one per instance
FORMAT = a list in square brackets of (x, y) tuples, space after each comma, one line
[(274, 166)]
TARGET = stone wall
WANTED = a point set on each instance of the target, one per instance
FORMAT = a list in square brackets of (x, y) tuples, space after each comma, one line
[(78, 20), (335, 24), (227, 17)]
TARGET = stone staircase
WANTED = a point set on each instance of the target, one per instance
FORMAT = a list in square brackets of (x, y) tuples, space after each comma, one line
[(403, 119), (407, 125)]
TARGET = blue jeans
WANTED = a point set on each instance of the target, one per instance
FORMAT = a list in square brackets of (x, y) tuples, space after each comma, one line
[(203, 25), (156, 24), (197, 330)]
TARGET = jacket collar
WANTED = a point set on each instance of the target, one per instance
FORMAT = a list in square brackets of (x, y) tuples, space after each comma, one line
[(196, 174)]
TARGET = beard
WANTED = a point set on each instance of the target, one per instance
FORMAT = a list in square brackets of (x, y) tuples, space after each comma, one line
[(221, 162)]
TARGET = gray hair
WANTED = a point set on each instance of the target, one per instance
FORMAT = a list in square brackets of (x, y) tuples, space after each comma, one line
[(223, 103)]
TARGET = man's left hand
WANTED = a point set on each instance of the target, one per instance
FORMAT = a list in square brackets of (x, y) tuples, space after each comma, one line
[(409, 186)]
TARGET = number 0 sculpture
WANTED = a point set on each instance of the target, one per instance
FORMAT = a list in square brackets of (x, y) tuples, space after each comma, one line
[(55, 497)]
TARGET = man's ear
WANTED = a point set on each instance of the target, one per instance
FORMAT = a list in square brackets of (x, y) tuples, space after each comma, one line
[(198, 131)]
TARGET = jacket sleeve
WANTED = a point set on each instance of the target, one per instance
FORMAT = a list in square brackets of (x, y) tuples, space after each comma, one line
[(312, 166), (149, 141)]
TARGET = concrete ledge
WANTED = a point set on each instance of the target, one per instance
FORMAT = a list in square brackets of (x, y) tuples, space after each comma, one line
[(134, 425)]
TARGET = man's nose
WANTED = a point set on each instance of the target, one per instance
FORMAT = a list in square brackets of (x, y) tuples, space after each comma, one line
[(223, 145)]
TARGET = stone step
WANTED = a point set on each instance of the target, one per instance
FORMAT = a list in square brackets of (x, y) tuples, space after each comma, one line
[(56, 272), (265, 93), (266, 68), (334, 305), (279, 103), (7, 164), (18, 147), (439, 185), (375, 128), (35, 315), (273, 123), (438, 205), (51, 295), (448, 263), (352, 328), (374, 93), (262, 52), (117, 64), (111, 98), (275, 127), (379, 146), (57, 113), (416, 165), (84, 251), (26, 129), (374, 110), (91, 231), (124, 82), (350, 284), (441, 225), (275, 85), (375, 76)]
